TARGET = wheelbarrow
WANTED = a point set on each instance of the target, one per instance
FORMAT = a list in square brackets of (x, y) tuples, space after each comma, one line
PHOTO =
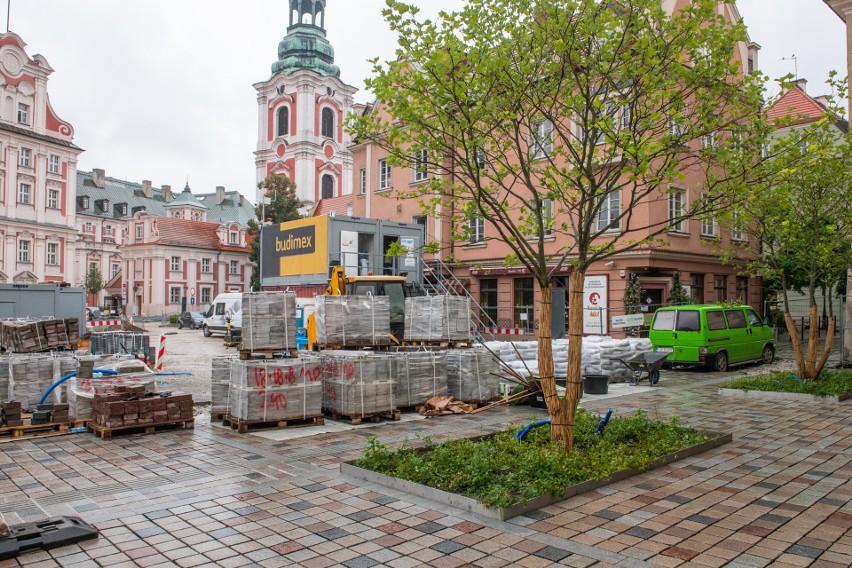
[(646, 365)]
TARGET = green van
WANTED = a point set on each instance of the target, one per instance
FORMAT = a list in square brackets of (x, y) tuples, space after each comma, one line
[(712, 335)]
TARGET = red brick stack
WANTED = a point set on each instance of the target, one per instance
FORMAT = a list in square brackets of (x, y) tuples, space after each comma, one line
[(128, 406)]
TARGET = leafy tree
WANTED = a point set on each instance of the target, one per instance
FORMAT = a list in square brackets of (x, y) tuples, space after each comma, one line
[(802, 216), (632, 295), (566, 125), (283, 206), (678, 295), (93, 282)]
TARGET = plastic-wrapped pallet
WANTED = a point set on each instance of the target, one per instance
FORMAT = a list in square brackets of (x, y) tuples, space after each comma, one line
[(422, 375), (276, 389), (81, 392), (269, 321), (437, 318), (30, 377), (472, 375), (352, 321), (4, 379), (359, 384), (111, 342), (220, 383)]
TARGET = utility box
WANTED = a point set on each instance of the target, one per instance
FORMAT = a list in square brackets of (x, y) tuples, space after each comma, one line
[(43, 301), (304, 251)]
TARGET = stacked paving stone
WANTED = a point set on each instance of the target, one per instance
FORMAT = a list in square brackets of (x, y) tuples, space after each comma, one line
[(220, 383), (30, 377), (269, 321), (10, 414), (472, 375), (359, 384), (82, 391), (274, 390), (421, 375), (437, 318), (352, 321), (35, 336), (127, 407), (4, 379), (112, 342)]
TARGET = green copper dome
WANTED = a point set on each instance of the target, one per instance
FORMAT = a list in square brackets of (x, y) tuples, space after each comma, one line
[(305, 45)]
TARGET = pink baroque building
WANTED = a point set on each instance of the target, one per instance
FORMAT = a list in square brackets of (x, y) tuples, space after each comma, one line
[(38, 161), (301, 111)]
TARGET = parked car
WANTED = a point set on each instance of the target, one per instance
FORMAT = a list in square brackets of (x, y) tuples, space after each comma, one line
[(712, 335), (192, 320)]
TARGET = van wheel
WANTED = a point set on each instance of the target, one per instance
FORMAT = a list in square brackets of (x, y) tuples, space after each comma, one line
[(206, 331), (721, 363), (768, 355)]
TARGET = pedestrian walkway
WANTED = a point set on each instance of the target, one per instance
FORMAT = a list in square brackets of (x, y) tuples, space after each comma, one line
[(780, 494)]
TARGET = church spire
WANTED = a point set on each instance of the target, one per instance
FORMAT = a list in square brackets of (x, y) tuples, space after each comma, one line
[(305, 45), (307, 13)]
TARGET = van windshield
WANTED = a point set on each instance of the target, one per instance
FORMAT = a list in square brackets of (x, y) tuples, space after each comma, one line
[(664, 321), (688, 320), (220, 309)]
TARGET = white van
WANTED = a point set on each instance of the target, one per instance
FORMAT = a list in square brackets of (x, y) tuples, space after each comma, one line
[(226, 306)]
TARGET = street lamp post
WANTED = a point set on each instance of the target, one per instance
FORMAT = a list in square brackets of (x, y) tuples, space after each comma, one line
[(264, 201)]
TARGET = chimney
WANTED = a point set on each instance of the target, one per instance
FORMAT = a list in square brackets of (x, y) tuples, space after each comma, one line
[(99, 178), (167, 193), (802, 84), (242, 200), (220, 194), (147, 189)]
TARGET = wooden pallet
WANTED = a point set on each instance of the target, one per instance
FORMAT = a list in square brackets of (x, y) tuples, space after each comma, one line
[(246, 426), (246, 354), (217, 416), (355, 420), (106, 433), (411, 408), (29, 430)]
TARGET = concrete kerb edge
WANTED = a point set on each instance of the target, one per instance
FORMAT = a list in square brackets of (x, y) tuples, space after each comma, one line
[(793, 396), (472, 506)]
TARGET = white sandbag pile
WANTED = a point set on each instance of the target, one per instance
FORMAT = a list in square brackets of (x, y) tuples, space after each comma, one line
[(352, 321), (269, 321), (437, 318), (472, 375), (421, 375), (276, 389), (359, 384)]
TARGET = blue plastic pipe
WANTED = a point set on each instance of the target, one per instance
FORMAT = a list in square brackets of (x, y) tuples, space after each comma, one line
[(70, 376), (523, 431), (604, 421)]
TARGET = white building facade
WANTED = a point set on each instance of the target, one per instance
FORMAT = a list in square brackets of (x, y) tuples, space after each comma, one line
[(38, 161), (302, 108)]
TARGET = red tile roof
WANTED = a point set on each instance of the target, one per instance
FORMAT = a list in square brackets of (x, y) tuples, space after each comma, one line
[(185, 232), (795, 107), (337, 205)]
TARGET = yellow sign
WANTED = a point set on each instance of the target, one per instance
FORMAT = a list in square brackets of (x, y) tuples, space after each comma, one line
[(297, 247)]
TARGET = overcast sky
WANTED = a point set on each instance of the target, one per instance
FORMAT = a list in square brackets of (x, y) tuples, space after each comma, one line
[(162, 89)]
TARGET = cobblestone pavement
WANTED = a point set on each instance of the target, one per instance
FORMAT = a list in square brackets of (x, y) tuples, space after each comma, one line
[(780, 494)]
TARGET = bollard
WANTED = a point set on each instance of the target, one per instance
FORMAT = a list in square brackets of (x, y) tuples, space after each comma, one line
[(161, 353)]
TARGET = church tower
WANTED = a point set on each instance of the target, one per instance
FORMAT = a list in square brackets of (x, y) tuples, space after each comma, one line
[(302, 108)]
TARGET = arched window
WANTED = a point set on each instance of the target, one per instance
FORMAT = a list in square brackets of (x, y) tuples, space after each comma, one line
[(327, 187), (284, 121), (327, 129)]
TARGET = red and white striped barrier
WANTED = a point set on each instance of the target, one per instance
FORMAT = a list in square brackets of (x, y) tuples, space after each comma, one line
[(505, 331), (102, 323), (161, 353)]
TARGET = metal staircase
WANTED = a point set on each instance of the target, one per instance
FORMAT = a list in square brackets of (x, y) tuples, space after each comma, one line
[(439, 279)]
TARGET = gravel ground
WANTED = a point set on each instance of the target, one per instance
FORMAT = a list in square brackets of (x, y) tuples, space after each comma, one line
[(188, 351)]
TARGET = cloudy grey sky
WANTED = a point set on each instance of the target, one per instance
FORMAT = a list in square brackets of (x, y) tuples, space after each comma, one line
[(162, 89)]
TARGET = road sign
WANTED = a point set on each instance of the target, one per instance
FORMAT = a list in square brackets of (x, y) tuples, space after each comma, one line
[(192, 301)]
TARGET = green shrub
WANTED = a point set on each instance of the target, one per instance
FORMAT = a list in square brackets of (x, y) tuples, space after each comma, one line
[(173, 319), (499, 471), (829, 383)]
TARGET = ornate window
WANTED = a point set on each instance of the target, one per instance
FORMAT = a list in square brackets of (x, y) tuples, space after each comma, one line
[(327, 187), (24, 197), (327, 128), (52, 198), (283, 121), (23, 113), (52, 254)]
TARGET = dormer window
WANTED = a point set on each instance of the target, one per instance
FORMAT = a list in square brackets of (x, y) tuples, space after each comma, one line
[(138, 209), (102, 205), (120, 209), (234, 237), (83, 202)]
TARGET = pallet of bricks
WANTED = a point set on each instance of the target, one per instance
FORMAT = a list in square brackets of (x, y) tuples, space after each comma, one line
[(473, 375), (44, 419), (220, 386), (438, 320), (360, 385), (352, 321), (268, 324), (421, 375), (129, 410), (35, 336), (82, 392), (274, 394)]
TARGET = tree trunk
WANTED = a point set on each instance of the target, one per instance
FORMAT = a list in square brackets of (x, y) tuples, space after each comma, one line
[(568, 406), (797, 345), (546, 375), (813, 343), (829, 339)]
